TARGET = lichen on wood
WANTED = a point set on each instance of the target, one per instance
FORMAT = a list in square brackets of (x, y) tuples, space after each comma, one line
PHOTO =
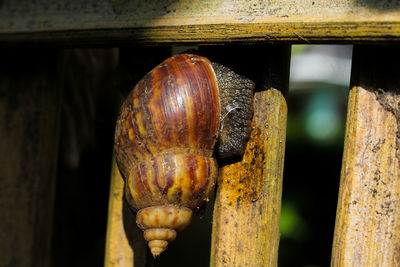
[(248, 200)]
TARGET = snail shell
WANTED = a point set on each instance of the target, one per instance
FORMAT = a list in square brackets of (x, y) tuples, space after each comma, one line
[(164, 141), (165, 138)]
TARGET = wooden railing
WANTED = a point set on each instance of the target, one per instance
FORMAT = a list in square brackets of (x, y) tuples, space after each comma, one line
[(247, 203)]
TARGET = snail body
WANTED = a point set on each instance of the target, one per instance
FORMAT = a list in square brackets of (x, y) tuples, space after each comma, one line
[(164, 143)]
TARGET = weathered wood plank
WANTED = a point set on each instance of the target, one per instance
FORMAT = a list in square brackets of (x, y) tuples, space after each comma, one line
[(248, 200), (118, 251), (172, 22), (367, 231), (123, 236), (125, 244), (30, 97)]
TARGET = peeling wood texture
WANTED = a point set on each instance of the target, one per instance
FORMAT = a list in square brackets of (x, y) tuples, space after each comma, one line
[(30, 101), (367, 231), (123, 238), (209, 21), (248, 200)]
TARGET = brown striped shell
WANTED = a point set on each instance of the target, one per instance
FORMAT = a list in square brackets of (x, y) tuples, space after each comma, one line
[(164, 142)]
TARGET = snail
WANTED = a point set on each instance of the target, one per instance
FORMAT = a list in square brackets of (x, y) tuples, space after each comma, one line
[(172, 124)]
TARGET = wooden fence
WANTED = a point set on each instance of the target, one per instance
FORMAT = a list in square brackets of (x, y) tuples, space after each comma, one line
[(33, 36)]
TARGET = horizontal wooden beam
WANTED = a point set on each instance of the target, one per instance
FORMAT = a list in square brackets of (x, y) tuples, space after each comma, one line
[(198, 22)]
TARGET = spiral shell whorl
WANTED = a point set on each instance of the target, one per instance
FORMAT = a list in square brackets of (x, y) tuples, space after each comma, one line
[(160, 223), (175, 106), (180, 179)]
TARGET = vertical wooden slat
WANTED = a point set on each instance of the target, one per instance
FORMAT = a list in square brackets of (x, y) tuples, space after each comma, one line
[(82, 177), (125, 244), (248, 200), (367, 231), (121, 244), (30, 96)]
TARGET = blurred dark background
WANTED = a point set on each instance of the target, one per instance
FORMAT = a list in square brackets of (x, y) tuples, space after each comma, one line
[(316, 120)]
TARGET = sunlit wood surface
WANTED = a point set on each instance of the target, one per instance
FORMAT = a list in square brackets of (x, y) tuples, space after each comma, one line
[(209, 21), (367, 231), (248, 201)]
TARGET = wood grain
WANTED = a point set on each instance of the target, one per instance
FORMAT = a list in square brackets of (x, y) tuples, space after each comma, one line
[(118, 251), (159, 22), (30, 101), (123, 238), (248, 200), (367, 231), (125, 244)]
